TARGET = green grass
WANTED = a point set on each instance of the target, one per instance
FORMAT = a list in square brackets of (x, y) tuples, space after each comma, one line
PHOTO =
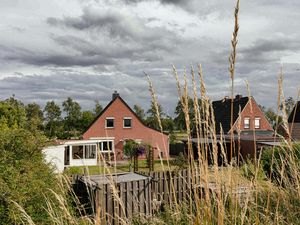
[(124, 167)]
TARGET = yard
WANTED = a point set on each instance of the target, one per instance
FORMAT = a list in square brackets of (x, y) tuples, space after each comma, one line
[(120, 167)]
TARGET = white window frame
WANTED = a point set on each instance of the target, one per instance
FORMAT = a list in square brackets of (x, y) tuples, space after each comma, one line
[(72, 156), (257, 119), (247, 125), (85, 149), (109, 118), (101, 146), (127, 118)]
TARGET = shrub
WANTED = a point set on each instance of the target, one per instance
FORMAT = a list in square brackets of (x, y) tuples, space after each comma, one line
[(24, 177), (282, 164)]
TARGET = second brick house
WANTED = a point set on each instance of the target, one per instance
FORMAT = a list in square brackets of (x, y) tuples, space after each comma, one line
[(249, 127), (118, 123), (247, 116)]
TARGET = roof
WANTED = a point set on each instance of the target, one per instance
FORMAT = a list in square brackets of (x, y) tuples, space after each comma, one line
[(109, 104), (94, 180), (222, 112), (295, 114)]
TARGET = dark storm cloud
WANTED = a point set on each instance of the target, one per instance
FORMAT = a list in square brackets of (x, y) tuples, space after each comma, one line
[(84, 88), (87, 21), (118, 26), (126, 38), (269, 50), (20, 55)]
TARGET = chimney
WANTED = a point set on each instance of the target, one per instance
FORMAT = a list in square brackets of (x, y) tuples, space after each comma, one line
[(238, 97), (115, 95), (225, 98)]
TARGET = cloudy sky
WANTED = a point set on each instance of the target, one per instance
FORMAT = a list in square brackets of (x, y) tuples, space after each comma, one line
[(86, 49)]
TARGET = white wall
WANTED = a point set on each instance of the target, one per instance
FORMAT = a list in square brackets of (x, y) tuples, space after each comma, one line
[(55, 156)]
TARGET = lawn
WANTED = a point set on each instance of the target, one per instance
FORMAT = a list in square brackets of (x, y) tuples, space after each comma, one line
[(119, 168)]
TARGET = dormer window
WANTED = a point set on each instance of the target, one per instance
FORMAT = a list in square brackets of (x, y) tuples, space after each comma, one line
[(127, 122), (109, 122)]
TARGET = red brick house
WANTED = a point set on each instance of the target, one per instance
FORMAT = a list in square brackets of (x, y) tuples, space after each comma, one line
[(247, 116), (118, 123), (294, 122), (250, 126)]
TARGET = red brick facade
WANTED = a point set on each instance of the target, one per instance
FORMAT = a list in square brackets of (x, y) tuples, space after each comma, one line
[(119, 110), (252, 111)]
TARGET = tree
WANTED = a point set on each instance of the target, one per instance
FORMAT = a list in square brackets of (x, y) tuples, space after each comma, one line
[(133, 150), (273, 118), (12, 113), (139, 112), (179, 119), (152, 120), (98, 108), (289, 105), (168, 124), (24, 177), (73, 115), (87, 118), (34, 116), (53, 118)]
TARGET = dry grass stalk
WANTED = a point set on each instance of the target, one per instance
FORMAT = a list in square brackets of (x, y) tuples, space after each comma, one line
[(232, 61)]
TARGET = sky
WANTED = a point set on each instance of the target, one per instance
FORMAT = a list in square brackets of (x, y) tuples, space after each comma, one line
[(86, 49)]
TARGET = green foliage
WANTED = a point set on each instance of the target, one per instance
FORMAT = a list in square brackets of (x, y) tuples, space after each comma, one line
[(251, 171), (98, 108), (152, 120), (24, 177), (35, 116), (289, 105), (73, 114), (53, 119), (181, 161), (281, 164), (12, 113), (130, 148), (271, 116), (168, 124), (139, 112), (87, 117), (179, 119)]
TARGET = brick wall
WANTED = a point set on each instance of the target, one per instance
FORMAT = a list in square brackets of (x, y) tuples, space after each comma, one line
[(252, 111)]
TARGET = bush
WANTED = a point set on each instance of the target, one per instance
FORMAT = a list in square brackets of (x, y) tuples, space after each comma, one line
[(24, 177), (282, 164)]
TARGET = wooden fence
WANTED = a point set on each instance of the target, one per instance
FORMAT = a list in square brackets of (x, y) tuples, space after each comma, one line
[(116, 204), (120, 202), (169, 187)]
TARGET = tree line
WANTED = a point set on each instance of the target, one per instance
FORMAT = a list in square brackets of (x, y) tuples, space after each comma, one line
[(68, 120)]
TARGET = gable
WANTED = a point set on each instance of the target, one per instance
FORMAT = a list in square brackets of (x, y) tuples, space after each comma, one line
[(118, 109), (252, 111)]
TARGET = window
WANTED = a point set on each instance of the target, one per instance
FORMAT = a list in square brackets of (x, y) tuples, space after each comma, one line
[(127, 122), (257, 123), (77, 151), (246, 122), (90, 152), (109, 123), (107, 146)]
